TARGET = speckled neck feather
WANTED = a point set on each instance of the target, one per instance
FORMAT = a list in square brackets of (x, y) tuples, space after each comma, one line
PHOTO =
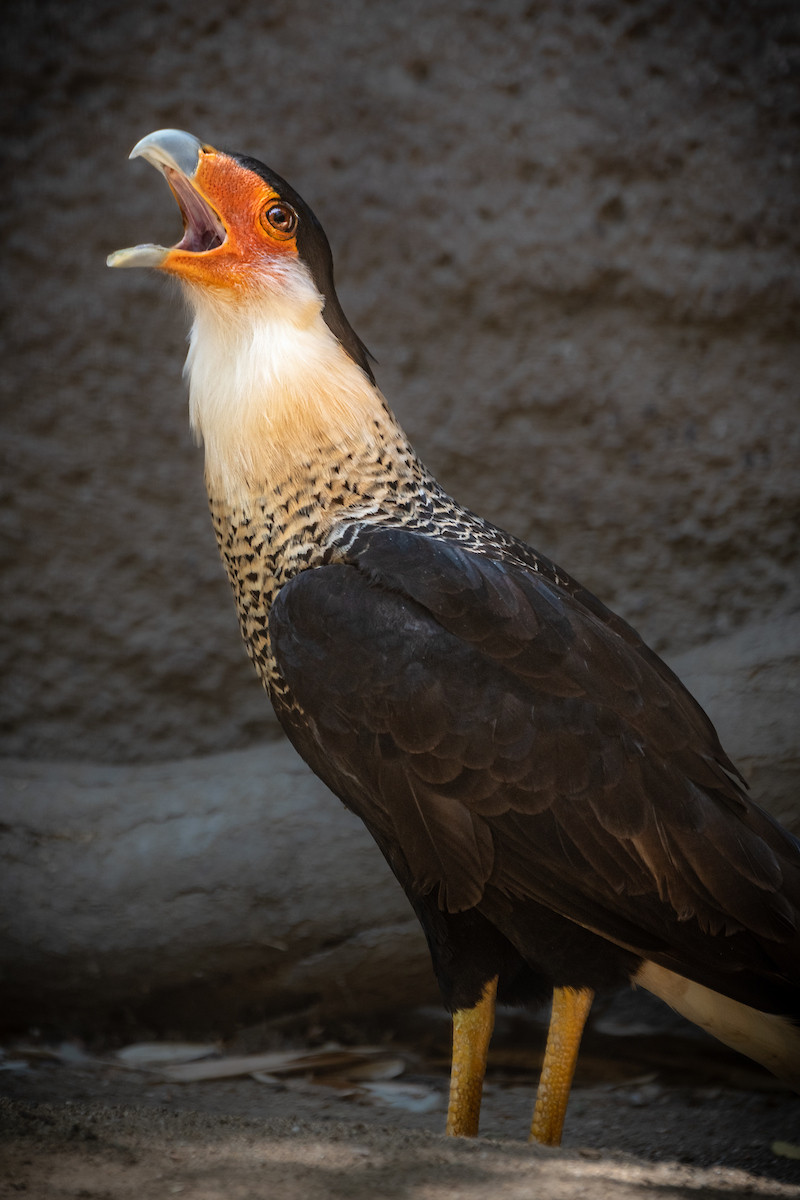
[(267, 380)]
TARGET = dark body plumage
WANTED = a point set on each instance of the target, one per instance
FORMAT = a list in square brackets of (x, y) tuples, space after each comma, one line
[(553, 801), (539, 781)]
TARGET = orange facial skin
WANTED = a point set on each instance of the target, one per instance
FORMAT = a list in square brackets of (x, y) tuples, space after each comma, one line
[(242, 203), (248, 237)]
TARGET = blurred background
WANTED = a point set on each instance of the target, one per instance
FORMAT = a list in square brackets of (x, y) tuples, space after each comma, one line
[(569, 234), (567, 231)]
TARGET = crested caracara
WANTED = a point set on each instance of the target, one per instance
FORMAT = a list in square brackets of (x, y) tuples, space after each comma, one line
[(555, 804)]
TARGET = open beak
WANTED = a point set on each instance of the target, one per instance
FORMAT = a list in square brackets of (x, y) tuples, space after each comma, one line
[(177, 156)]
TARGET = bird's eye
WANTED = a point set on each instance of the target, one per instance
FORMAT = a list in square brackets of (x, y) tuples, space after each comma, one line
[(279, 219)]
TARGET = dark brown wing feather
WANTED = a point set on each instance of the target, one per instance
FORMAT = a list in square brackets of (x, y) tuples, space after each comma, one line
[(500, 738)]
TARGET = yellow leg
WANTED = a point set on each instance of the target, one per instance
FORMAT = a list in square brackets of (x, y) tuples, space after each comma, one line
[(570, 1010), (472, 1028)]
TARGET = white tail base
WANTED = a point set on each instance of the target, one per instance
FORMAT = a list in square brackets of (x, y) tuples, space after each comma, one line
[(771, 1040)]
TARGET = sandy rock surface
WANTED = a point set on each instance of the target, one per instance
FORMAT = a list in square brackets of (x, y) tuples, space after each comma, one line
[(195, 893), (199, 892)]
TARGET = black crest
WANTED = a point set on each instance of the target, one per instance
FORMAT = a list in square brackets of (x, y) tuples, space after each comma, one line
[(315, 252)]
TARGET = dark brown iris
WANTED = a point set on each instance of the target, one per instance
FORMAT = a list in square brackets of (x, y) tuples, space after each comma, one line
[(281, 218)]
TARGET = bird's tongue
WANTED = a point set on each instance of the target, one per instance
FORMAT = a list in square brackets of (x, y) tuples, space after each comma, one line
[(202, 228)]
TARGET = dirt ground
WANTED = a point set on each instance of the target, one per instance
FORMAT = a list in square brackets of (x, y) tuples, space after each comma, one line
[(671, 1116)]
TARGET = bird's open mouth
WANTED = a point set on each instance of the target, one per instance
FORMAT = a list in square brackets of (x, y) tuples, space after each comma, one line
[(203, 230), (176, 155)]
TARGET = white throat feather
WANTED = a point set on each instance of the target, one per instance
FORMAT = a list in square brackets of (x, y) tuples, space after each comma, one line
[(269, 384)]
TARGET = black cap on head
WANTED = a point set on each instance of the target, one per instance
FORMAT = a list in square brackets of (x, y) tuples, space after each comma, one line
[(315, 251)]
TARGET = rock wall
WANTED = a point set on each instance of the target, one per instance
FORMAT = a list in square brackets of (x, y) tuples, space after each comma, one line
[(216, 892), (568, 232)]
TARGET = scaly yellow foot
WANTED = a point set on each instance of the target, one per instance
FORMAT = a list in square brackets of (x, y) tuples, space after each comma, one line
[(570, 1010), (472, 1028)]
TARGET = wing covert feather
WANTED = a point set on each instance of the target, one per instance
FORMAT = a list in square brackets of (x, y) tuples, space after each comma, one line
[(502, 734)]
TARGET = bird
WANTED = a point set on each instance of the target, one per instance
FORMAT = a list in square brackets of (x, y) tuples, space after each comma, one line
[(553, 801)]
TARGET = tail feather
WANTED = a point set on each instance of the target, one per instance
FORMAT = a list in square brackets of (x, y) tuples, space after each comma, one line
[(767, 1038)]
